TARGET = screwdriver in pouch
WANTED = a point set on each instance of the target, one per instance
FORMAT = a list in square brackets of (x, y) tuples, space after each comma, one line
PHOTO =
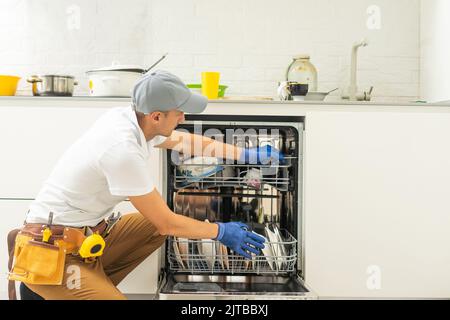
[(47, 233)]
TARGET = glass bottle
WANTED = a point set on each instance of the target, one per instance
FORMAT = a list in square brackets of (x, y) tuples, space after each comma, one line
[(301, 70)]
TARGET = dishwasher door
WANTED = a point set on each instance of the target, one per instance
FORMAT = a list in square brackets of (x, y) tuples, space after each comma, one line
[(233, 287)]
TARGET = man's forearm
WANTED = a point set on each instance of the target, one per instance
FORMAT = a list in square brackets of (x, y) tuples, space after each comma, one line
[(153, 207), (185, 227), (217, 149), (198, 145)]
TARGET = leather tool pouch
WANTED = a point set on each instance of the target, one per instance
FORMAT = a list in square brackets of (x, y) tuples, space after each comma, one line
[(37, 262)]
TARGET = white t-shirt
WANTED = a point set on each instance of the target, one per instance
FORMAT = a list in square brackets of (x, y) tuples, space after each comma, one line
[(109, 163)]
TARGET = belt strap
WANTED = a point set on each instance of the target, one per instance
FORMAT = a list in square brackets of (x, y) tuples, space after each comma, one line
[(36, 229)]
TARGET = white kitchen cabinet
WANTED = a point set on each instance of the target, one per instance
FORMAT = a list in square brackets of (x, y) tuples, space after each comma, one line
[(32, 140), (377, 209)]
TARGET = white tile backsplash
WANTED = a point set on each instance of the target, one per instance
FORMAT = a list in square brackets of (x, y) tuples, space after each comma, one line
[(250, 42)]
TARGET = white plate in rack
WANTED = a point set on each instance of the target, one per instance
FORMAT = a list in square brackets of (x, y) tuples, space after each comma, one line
[(219, 255), (268, 254), (226, 262), (275, 247), (183, 247), (281, 242), (177, 253), (209, 252)]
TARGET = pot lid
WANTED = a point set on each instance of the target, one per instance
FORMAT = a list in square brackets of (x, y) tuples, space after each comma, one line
[(121, 67)]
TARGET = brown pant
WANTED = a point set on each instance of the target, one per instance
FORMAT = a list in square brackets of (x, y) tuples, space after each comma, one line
[(130, 242)]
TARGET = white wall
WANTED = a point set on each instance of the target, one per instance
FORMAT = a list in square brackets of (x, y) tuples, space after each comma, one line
[(435, 50), (250, 42)]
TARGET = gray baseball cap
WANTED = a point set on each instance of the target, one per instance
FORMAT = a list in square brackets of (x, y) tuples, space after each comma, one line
[(162, 91)]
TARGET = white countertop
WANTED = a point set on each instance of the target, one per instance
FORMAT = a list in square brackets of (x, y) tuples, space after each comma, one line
[(233, 107)]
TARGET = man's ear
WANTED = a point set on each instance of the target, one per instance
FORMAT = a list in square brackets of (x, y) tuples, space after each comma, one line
[(155, 116)]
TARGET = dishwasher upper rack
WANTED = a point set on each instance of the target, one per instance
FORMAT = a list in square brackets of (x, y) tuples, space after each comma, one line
[(238, 175), (212, 257)]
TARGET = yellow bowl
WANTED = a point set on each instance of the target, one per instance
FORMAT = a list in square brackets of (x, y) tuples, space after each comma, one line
[(8, 85)]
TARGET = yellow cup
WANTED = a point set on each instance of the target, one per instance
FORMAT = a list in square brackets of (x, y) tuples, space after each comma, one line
[(210, 84), (8, 85)]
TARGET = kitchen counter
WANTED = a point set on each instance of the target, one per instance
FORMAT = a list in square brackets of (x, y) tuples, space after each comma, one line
[(237, 107)]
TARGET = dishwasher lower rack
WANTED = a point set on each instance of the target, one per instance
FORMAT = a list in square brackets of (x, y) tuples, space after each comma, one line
[(212, 257)]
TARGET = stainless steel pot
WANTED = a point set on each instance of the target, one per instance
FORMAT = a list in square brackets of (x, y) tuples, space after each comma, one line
[(52, 85)]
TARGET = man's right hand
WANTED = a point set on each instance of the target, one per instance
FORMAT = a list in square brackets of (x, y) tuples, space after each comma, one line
[(265, 155), (236, 236)]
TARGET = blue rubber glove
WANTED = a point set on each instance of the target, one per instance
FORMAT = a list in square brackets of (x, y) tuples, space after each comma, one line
[(262, 155), (236, 236)]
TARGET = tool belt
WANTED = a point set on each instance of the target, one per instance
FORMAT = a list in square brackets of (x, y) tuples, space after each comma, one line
[(69, 238), (40, 260)]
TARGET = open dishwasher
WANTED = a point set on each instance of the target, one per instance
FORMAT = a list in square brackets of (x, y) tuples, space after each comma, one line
[(265, 197)]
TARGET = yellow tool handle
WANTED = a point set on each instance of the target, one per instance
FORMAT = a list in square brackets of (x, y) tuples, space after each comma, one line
[(46, 234)]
